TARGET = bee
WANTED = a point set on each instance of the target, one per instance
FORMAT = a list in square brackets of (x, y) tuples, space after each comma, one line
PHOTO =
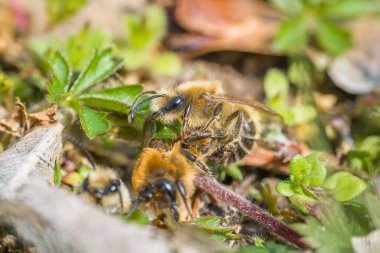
[(220, 127), (164, 181), (103, 187)]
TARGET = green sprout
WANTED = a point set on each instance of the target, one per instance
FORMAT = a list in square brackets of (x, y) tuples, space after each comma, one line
[(308, 177), (77, 94), (322, 20)]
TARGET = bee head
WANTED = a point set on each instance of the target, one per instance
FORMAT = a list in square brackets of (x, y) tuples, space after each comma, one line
[(162, 104), (160, 196), (168, 106), (100, 192)]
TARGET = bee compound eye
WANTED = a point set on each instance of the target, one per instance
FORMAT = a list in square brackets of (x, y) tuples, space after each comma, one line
[(175, 103), (114, 186)]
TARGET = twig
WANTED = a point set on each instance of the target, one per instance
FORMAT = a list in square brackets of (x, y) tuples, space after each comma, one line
[(251, 210)]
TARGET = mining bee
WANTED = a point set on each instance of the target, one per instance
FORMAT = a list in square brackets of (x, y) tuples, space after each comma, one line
[(164, 181), (102, 186), (220, 127)]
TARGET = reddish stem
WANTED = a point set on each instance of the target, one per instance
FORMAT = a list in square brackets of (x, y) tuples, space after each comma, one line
[(251, 210)]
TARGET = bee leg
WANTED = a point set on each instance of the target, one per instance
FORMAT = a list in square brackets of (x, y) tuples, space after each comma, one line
[(216, 115), (185, 118), (192, 158), (205, 135), (182, 192)]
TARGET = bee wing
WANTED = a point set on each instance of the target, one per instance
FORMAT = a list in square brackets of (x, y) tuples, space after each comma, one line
[(261, 111)]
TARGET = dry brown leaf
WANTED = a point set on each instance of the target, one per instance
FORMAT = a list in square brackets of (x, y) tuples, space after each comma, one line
[(273, 160), (240, 25), (20, 122), (358, 70)]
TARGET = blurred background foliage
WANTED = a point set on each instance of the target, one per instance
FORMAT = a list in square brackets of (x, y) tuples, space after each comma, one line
[(321, 73)]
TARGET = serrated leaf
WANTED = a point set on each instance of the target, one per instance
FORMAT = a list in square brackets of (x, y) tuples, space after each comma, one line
[(60, 69), (332, 230), (60, 78), (332, 38), (166, 63), (93, 122), (292, 35), (79, 47), (100, 67), (115, 99)]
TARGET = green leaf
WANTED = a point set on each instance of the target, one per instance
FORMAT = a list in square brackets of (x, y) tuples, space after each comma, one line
[(93, 122), (372, 204), (292, 35), (80, 47), (349, 187), (101, 66), (166, 63), (115, 99), (302, 113), (137, 217), (234, 171), (333, 228), (349, 8), (371, 144), (318, 169), (57, 175), (269, 247), (332, 38), (345, 186), (276, 85), (84, 171), (165, 131), (299, 168), (285, 188), (60, 69), (332, 181), (60, 78), (145, 32), (209, 221), (211, 224), (302, 202), (288, 6)]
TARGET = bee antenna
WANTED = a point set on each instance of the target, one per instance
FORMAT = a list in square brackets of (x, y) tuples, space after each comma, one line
[(133, 110), (182, 192), (140, 95), (80, 145)]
